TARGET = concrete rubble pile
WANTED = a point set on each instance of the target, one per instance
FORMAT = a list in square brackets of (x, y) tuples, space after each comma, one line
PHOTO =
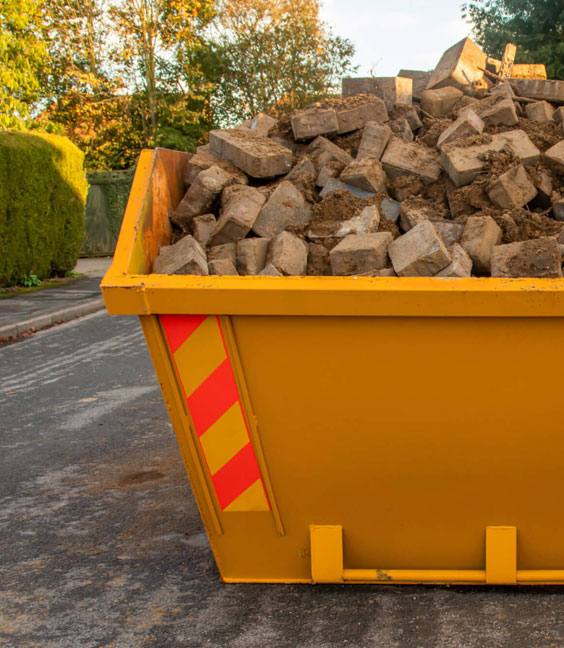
[(457, 172)]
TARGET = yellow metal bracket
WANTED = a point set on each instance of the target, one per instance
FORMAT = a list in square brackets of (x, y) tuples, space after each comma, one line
[(326, 553), (501, 555)]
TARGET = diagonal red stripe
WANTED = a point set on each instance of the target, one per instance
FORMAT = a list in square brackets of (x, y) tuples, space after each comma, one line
[(213, 397), (236, 476), (178, 328)]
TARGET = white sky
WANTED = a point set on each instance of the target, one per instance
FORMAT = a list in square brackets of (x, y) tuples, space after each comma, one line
[(393, 34)]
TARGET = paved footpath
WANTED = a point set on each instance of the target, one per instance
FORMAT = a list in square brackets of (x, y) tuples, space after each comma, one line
[(101, 544), (41, 308)]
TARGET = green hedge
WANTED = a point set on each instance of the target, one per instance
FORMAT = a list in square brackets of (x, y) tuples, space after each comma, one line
[(42, 201)]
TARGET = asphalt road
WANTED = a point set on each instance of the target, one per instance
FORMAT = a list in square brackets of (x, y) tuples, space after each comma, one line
[(101, 544)]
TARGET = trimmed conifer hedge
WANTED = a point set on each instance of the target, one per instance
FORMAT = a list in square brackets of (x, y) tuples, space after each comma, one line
[(42, 202)]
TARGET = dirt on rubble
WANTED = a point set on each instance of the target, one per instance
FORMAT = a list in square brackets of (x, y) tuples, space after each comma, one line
[(346, 103), (349, 142), (498, 162), (283, 128), (406, 187), (432, 130), (543, 135), (466, 200)]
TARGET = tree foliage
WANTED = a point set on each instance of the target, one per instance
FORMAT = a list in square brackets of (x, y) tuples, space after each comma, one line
[(273, 55), (535, 26), (23, 59)]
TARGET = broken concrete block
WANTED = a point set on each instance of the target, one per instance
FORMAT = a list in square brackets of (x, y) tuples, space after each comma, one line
[(337, 185), (460, 66), (203, 227), (558, 209), (239, 210), (461, 264), (202, 195), (512, 189), (366, 173), (288, 254), (201, 161), (466, 125), (503, 88), (440, 102), (419, 253), (535, 258), (262, 124), (366, 222), (498, 110), (375, 138), (411, 158), (554, 158), (401, 128), (270, 271), (413, 211), (419, 79), (285, 207), (307, 124), (184, 257), (355, 118), (540, 111), (322, 151), (480, 235), (225, 251), (558, 115), (465, 164), (449, 231), (390, 209), (392, 90), (358, 253), (222, 267), (251, 255), (259, 157), (413, 119), (304, 169), (329, 172), (551, 91)]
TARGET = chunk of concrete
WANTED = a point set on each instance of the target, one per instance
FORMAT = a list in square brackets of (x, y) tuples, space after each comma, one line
[(419, 79), (461, 66), (251, 255), (390, 209), (222, 267), (259, 157), (401, 128), (308, 124), (503, 88), (225, 251), (440, 102), (288, 254), (413, 211), (375, 138), (512, 189), (303, 168), (328, 173), (365, 173), (449, 231), (355, 118), (366, 222), (202, 195), (270, 270), (498, 110), (541, 89), (263, 124), (558, 115), (467, 125), (534, 258), (558, 209), (338, 185), (285, 207), (358, 253), (411, 158), (554, 158), (322, 151), (201, 161), (392, 90), (540, 111), (413, 119), (480, 235), (183, 258), (465, 164), (239, 211), (419, 253), (203, 227), (460, 266)]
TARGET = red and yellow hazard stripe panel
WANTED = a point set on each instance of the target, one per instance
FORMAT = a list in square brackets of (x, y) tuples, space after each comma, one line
[(204, 369)]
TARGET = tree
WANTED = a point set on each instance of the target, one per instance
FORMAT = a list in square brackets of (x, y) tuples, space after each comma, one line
[(23, 59), (273, 55), (535, 26)]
